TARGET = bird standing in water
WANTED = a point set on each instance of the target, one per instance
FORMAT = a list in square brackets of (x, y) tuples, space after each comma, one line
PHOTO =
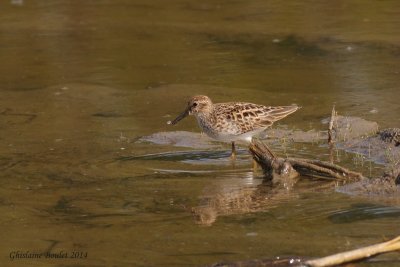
[(233, 121)]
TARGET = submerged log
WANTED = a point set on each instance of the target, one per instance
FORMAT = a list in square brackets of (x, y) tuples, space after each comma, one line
[(293, 167)]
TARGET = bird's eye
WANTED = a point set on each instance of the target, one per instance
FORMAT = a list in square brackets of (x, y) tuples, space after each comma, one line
[(194, 104)]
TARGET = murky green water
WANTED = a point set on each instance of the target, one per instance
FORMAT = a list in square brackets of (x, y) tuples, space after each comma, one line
[(82, 81)]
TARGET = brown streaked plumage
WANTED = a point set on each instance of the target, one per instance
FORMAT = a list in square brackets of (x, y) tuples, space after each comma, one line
[(233, 121)]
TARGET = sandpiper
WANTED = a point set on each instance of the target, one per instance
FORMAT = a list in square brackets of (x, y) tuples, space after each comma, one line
[(233, 121)]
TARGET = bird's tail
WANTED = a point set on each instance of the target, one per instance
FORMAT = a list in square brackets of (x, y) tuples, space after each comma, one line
[(278, 113)]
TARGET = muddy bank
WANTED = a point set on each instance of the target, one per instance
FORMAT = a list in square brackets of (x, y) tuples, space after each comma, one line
[(182, 139), (385, 189), (352, 134)]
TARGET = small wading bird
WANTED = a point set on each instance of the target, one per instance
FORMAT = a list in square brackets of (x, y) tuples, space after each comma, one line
[(233, 121)]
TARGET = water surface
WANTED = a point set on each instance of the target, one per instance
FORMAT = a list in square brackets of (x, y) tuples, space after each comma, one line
[(81, 82)]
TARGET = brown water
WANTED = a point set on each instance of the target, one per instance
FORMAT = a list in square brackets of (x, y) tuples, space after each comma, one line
[(82, 81)]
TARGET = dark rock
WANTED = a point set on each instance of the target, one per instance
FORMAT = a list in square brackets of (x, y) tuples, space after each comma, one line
[(390, 135)]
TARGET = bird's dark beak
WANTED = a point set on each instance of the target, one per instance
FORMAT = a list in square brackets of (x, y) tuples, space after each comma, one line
[(180, 117)]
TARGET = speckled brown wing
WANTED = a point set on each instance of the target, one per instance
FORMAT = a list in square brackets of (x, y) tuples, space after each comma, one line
[(246, 117)]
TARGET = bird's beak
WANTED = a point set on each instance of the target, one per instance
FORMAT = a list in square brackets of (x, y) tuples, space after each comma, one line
[(180, 117)]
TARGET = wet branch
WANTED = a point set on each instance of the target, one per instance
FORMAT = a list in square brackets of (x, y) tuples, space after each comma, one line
[(331, 125), (269, 162), (357, 254)]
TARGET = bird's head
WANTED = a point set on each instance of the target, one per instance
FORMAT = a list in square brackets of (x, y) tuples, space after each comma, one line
[(197, 105)]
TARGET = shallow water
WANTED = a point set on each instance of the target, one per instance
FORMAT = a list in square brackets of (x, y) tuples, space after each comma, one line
[(81, 82)]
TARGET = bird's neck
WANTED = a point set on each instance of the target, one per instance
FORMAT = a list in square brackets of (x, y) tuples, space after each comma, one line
[(206, 117)]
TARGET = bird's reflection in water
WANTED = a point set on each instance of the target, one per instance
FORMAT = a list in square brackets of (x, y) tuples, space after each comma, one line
[(240, 195)]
